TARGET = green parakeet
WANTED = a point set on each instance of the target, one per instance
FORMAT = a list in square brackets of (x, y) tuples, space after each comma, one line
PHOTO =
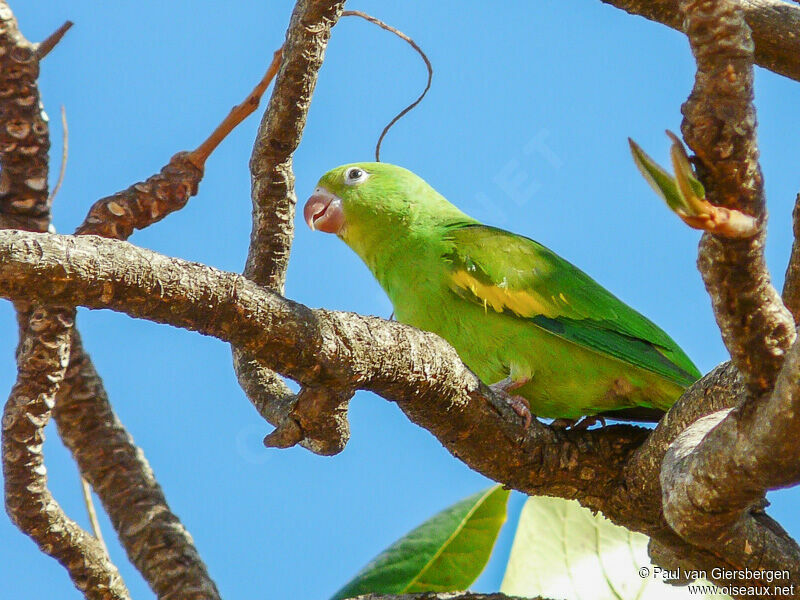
[(514, 311)]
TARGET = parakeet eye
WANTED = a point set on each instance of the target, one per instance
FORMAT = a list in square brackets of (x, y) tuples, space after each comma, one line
[(355, 175)]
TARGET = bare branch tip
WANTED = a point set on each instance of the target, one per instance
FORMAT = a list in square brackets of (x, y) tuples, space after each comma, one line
[(238, 113), (45, 46)]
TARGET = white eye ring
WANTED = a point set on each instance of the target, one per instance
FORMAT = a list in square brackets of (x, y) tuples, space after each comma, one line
[(355, 175)]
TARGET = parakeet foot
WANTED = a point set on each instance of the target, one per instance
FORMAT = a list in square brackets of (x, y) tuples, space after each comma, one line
[(578, 424), (518, 404)]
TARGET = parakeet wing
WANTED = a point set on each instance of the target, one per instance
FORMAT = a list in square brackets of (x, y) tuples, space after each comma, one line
[(512, 274)]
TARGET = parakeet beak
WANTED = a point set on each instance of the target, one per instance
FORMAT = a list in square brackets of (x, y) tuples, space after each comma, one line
[(323, 211)]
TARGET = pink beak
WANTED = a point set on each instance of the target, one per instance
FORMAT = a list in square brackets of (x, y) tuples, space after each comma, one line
[(323, 211)]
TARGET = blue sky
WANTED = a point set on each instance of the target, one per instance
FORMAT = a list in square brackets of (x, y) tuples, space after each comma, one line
[(525, 128)]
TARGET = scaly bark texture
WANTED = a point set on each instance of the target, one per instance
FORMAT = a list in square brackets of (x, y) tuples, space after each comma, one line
[(791, 284), (42, 358), (774, 24), (156, 541), (24, 134), (272, 180), (44, 333), (279, 135), (720, 127), (715, 472), (154, 538), (146, 202)]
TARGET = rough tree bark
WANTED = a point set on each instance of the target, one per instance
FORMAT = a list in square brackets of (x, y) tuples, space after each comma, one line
[(693, 484)]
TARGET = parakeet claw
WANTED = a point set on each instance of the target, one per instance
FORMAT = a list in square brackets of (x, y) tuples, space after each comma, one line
[(578, 424), (517, 403)]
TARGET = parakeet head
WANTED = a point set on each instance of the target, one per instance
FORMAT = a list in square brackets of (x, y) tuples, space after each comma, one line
[(367, 203)]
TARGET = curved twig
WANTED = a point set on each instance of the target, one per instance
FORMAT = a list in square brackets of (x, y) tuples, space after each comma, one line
[(413, 44)]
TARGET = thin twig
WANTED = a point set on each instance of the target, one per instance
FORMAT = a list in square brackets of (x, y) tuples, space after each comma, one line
[(238, 114), (45, 46), (413, 44), (149, 201), (64, 154), (90, 510)]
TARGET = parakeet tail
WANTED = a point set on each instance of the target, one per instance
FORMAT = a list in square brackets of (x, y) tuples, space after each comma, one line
[(639, 414)]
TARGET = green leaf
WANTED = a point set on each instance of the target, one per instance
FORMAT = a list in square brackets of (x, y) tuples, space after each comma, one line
[(659, 179), (446, 553), (562, 550), (689, 186)]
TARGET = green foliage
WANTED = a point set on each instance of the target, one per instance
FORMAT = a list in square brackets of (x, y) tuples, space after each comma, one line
[(562, 550), (684, 194), (445, 553)]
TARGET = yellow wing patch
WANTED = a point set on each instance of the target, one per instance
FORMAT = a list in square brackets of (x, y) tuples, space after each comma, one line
[(521, 302)]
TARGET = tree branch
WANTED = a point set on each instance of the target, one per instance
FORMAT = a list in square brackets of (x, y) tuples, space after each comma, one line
[(272, 191), (340, 352), (278, 136), (44, 47), (44, 334), (791, 284), (720, 126), (716, 472), (42, 357), (318, 348), (153, 537), (774, 24), (24, 134)]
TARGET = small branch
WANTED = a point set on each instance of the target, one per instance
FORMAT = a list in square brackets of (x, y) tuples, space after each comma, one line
[(144, 203), (24, 133), (791, 285), (272, 181), (153, 537), (149, 201), (44, 47), (774, 24), (238, 114), (42, 357), (87, 424), (86, 489), (278, 136), (44, 334), (720, 127)]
